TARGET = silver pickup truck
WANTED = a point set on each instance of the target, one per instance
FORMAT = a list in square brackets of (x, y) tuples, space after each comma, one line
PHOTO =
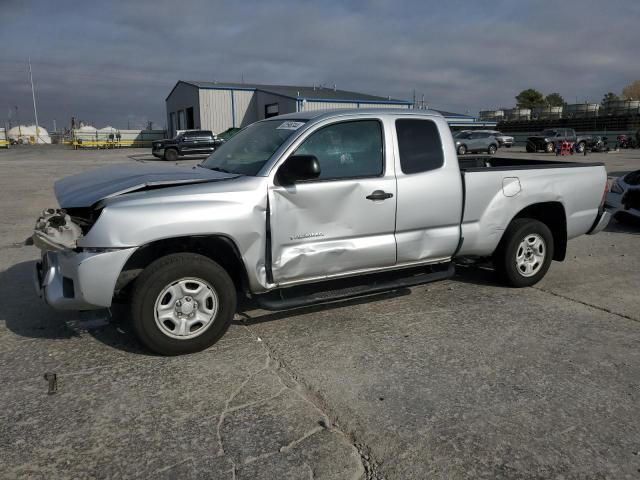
[(299, 209)]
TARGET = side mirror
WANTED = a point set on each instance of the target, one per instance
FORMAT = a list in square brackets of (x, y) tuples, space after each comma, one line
[(298, 168)]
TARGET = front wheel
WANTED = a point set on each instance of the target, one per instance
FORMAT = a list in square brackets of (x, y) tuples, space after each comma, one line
[(182, 303), (582, 146), (550, 147), (531, 148), (462, 150), (492, 149), (524, 253), (171, 155)]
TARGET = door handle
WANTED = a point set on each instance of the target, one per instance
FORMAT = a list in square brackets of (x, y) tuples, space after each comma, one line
[(379, 195)]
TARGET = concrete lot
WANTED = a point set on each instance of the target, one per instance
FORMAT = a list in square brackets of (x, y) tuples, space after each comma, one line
[(458, 379)]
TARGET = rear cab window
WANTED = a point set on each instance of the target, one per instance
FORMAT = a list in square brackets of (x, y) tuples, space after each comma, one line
[(419, 145)]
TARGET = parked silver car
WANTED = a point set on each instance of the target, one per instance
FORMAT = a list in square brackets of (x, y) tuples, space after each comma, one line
[(475, 141), (624, 197), (503, 140)]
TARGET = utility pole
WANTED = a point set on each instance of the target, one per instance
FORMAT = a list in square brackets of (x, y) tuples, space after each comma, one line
[(33, 94)]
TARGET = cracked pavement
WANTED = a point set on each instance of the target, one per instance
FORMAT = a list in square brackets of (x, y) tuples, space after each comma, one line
[(457, 379)]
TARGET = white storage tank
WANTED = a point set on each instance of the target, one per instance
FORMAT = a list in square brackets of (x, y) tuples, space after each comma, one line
[(29, 134), (622, 107), (492, 115), (581, 110), (518, 114), (547, 112)]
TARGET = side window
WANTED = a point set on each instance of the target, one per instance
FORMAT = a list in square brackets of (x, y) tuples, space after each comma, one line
[(347, 149), (420, 145)]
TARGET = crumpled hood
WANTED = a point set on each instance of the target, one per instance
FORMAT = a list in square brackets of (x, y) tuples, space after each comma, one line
[(87, 188)]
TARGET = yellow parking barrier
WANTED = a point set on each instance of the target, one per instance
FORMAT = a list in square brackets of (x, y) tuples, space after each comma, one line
[(4, 143), (108, 144)]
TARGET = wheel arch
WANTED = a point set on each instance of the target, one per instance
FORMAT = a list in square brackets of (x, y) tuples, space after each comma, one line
[(554, 216), (219, 248)]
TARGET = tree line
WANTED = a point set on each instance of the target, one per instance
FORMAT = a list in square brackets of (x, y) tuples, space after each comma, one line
[(532, 98)]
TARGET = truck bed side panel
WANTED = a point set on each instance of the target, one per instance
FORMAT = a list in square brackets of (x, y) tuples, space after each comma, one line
[(495, 197)]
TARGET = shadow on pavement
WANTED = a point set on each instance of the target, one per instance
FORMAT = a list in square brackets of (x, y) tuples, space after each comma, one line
[(478, 275), (28, 316), (248, 306), (630, 225)]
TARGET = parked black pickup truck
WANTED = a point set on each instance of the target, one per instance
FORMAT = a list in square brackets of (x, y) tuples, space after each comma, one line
[(190, 142), (548, 139)]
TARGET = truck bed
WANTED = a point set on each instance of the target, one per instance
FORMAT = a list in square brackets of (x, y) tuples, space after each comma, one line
[(497, 189), (479, 163)]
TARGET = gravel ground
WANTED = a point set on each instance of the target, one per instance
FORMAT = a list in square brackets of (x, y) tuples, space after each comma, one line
[(458, 379)]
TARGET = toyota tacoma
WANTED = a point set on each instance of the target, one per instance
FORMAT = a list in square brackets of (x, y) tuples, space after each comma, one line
[(304, 208)]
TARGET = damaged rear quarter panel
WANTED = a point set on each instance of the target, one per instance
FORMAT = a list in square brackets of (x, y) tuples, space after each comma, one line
[(235, 209)]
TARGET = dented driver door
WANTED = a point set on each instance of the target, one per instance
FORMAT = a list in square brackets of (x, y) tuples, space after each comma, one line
[(344, 220)]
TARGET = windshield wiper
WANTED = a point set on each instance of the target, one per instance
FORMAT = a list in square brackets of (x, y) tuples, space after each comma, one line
[(220, 169)]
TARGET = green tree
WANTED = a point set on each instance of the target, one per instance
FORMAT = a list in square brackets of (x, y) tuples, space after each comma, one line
[(555, 100), (529, 98), (609, 97)]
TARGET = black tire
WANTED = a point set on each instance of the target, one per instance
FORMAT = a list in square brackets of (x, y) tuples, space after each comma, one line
[(151, 283), (492, 149), (505, 256), (171, 155), (462, 149), (582, 146), (550, 147), (531, 148)]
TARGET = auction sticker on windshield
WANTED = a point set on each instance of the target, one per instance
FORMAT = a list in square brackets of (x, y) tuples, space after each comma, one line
[(290, 125)]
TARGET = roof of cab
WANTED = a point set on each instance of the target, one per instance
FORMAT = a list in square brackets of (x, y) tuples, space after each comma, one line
[(322, 114)]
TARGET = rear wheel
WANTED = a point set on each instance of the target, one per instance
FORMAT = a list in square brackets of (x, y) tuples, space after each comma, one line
[(462, 149), (531, 148), (182, 303), (171, 155), (550, 147), (492, 149), (525, 252)]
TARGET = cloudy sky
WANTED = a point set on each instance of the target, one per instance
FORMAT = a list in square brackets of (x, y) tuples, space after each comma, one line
[(114, 62)]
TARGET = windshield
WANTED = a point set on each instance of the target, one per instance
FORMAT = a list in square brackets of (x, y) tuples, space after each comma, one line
[(549, 133), (249, 149)]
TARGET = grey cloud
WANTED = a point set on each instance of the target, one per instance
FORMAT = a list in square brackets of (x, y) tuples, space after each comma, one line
[(120, 61)]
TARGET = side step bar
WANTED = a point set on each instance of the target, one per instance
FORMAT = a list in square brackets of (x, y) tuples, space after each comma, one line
[(295, 297)]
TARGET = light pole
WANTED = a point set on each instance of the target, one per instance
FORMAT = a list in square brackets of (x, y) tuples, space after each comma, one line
[(33, 94)]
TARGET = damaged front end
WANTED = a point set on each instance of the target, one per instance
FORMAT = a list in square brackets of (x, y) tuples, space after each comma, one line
[(68, 276), (55, 230)]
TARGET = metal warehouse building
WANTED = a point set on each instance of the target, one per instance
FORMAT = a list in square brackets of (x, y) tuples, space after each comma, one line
[(220, 106)]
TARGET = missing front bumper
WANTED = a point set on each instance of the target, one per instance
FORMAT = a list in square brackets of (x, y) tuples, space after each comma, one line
[(68, 280)]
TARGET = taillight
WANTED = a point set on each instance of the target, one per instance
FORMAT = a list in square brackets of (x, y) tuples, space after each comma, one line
[(604, 193)]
